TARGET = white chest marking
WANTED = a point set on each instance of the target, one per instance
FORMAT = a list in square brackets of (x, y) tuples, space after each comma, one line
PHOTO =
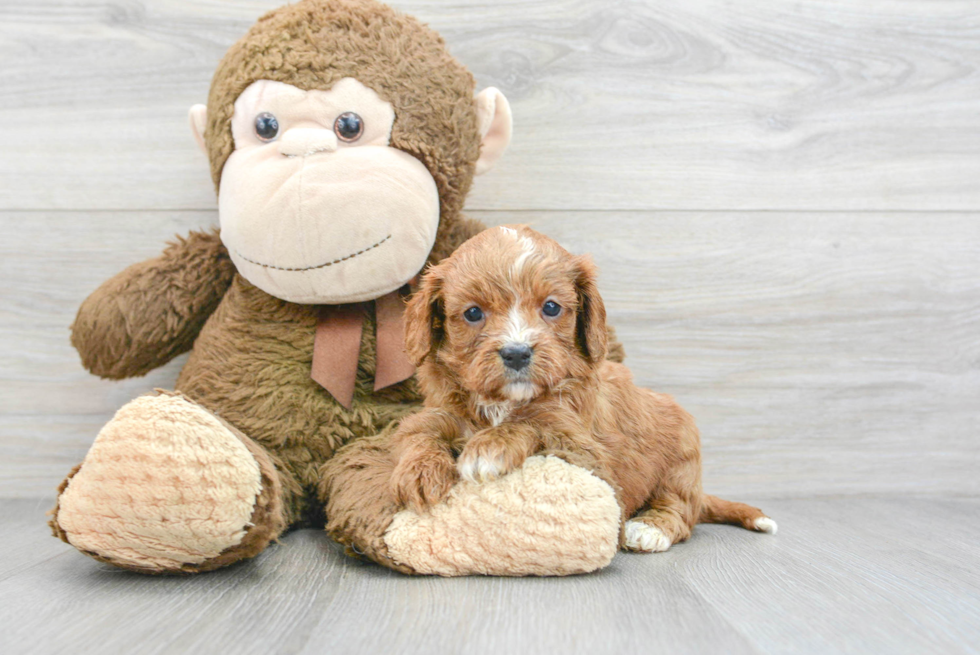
[(496, 413)]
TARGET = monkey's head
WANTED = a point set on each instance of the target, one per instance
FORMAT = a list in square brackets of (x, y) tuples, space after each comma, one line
[(343, 139)]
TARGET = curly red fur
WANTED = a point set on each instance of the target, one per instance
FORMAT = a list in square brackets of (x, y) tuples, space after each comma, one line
[(568, 400)]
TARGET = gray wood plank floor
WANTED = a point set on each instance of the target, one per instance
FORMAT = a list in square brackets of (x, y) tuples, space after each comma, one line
[(844, 575)]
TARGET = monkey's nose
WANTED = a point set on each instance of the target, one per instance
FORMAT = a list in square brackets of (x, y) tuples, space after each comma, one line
[(306, 141), (516, 356)]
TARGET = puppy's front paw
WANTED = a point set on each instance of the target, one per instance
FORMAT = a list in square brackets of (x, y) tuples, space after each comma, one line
[(485, 460), (422, 481), (480, 469), (645, 538)]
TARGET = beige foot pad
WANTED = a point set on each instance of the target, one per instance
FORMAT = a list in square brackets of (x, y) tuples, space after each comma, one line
[(165, 484), (547, 518)]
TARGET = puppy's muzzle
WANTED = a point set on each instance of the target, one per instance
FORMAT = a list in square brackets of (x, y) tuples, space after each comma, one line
[(516, 356)]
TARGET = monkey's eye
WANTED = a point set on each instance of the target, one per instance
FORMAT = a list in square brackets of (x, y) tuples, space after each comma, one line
[(551, 308), (266, 126), (348, 127), (473, 315)]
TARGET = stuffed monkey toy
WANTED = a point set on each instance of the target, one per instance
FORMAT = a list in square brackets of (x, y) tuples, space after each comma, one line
[(343, 139)]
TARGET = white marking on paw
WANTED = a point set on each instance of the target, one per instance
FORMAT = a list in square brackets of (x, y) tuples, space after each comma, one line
[(766, 524), (649, 539), (481, 469)]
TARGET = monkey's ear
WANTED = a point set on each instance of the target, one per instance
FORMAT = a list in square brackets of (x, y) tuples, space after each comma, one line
[(198, 116), (495, 123), (424, 317)]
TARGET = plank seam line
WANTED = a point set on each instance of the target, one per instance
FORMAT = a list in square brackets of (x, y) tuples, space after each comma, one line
[(655, 210)]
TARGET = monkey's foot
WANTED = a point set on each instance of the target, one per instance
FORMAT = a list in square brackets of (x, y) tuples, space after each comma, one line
[(546, 518), (169, 487)]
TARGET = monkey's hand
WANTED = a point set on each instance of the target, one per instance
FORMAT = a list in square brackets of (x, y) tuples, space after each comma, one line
[(151, 312)]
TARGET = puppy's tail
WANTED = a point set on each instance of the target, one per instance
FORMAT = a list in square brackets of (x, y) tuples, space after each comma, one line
[(716, 510)]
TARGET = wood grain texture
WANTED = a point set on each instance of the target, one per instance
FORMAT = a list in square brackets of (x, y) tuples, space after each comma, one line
[(707, 104), (821, 354), (856, 575), (783, 199)]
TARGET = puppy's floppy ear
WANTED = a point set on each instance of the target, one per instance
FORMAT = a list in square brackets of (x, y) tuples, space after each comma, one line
[(590, 322), (424, 317)]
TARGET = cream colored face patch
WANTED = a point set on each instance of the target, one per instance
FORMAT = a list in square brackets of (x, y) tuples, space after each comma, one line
[(315, 206)]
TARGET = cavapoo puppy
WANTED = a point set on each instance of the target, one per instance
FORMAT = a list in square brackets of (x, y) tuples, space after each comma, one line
[(509, 334)]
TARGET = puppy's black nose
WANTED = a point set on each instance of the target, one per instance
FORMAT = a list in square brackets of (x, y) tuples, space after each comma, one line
[(516, 355)]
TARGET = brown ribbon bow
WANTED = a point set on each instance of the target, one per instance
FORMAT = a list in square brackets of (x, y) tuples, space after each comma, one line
[(337, 346)]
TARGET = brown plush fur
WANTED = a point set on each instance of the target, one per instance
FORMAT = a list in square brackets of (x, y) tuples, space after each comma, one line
[(568, 398), (251, 360), (359, 506), (315, 43), (153, 311), (252, 353)]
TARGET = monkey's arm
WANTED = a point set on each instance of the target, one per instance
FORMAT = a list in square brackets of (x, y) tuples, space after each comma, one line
[(152, 311)]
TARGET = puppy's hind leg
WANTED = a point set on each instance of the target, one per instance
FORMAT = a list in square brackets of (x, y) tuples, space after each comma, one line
[(665, 521)]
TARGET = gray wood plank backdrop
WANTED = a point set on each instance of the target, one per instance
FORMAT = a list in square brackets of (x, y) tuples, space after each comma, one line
[(784, 199)]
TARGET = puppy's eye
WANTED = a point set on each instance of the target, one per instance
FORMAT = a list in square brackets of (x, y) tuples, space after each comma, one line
[(551, 308), (473, 315), (348, 127), (266, 126)]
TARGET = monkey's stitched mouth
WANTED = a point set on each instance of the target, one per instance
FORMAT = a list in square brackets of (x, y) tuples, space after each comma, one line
[(311, 268)]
